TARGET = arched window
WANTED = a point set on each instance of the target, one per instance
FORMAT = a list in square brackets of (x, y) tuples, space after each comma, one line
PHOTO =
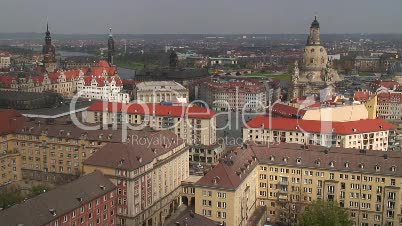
[(312, 50), (321, 50), (312, 60)]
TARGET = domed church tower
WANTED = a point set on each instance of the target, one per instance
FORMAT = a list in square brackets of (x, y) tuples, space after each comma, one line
[(314, 76)]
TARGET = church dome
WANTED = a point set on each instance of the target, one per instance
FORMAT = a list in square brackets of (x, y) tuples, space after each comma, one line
[(315, 57)]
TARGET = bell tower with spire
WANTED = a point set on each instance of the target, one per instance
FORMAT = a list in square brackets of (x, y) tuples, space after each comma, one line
[(314, 37), (49, 53), (110, 47)]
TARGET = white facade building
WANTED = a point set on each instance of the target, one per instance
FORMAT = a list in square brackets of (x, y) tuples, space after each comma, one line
[(104, 87)]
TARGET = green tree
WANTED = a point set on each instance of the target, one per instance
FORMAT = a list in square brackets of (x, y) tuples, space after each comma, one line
[(38, 189), (326, 213), (10, 196)]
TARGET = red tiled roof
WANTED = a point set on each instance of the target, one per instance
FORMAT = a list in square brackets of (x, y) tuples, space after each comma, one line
[(287, 111), (315, 126), (157, 109), (11, 121), (362, 95), (389, 97), (231, 171)]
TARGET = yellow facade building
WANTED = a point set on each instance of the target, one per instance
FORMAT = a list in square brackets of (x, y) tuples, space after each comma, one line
[(289, 176)]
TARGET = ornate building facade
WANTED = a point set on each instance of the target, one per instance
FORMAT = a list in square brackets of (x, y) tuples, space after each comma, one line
[(314, 76)]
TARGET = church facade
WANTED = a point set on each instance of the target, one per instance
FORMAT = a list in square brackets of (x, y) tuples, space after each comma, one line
[(314, 76)]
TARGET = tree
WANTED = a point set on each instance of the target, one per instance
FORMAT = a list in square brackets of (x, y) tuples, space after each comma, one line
[(326, 213)]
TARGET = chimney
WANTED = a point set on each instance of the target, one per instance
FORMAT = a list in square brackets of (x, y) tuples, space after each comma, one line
[(52, 211)]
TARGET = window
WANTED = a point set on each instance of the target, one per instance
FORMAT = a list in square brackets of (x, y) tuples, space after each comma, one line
[(65, 218)]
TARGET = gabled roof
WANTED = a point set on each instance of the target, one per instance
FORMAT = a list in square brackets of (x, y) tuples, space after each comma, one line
[(11, 121), (134, 154), (63, 200), (287, 110), (231, 171)]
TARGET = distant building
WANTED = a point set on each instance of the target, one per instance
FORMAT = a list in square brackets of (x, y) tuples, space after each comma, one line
[(89, 200), (314, 76), (49, 53), (110, 48), (336, 113), (371, 134), (195, 125), (5, 60), (222, 61), (222, 95), (102, 83), (161, 91)]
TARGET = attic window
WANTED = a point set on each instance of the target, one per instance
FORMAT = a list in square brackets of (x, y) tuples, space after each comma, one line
[(285, 159), (272, 158), (361, 165), (53, 212), (317, 162), (393, 168), (346, 164), (332, 164), (354, 129), (377, 168), (216, 180), (298, 160)]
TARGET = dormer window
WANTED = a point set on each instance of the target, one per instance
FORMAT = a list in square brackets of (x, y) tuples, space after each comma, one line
[(298, 161), (377, 168), (393, 168), (346, 164), (317, 162), (361, 165), (285, 159), (272, 158), (332, 164)]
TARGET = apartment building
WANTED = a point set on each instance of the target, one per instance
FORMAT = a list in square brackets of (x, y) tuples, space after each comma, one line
[(286, 177), (5, 60), (10, 167), (367, 183), (196, 125), (10, 159), (90, 200), (228, 192), (148, 171), (372, 134), (222, 95), (54, 152), (161, 91), (387, 104)]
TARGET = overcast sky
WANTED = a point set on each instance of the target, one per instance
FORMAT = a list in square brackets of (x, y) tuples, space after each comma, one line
[(200, 16)]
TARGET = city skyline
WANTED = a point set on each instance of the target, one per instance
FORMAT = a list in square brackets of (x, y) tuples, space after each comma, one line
[(200, 17)]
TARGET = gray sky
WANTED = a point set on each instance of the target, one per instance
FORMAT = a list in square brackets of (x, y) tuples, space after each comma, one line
[(200, 16)]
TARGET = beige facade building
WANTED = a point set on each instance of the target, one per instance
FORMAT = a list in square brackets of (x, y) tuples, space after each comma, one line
[(161, 91), (195, 125), (148, 178), (372, 134), (289, 176), (228, 192), (10, 167)]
